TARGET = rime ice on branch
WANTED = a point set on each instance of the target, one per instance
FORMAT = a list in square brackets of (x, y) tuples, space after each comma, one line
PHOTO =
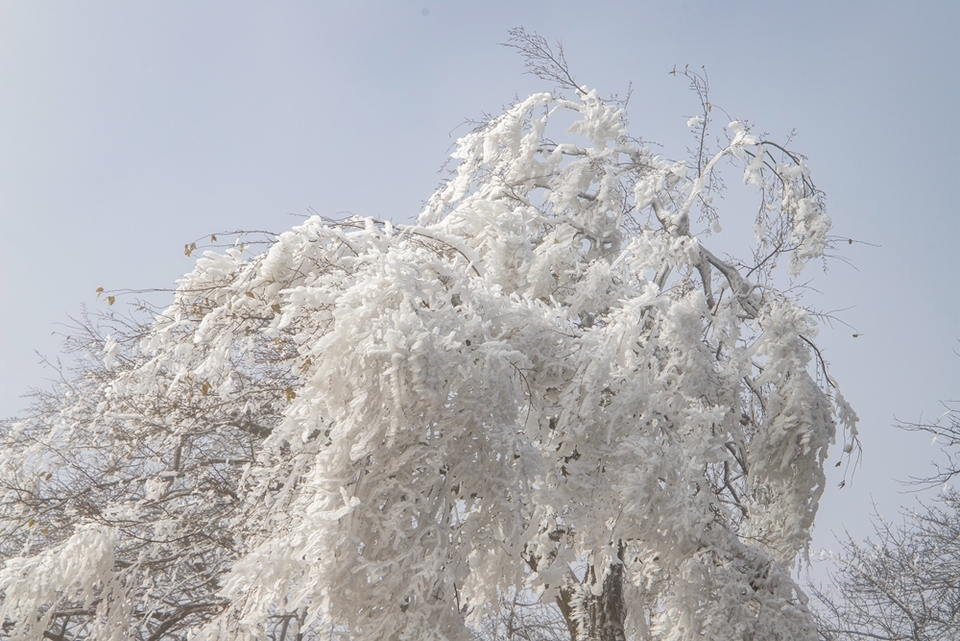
[(550, 383)]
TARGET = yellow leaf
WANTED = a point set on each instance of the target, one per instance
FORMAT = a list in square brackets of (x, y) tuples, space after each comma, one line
[(275, 307), (213, 238), (188, 249), (249, 295), (290, 394), (306, 365), (99, 291), (205, 388), (30, 523), (111, 300)]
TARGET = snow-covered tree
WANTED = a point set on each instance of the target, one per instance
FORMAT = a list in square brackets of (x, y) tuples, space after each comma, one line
[(548, 386)]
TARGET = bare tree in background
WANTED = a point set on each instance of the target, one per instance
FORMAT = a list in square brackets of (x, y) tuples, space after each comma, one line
[(904, 582)]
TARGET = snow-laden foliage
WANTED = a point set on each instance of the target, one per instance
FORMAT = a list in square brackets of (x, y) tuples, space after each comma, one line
[(549, 384)]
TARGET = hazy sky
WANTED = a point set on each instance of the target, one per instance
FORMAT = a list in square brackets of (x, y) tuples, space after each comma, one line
[(128, 129)]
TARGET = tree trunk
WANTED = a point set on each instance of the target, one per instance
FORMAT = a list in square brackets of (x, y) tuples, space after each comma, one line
[(591, 617)]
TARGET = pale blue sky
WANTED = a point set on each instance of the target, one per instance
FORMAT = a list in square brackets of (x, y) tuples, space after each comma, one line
[(130, 128)]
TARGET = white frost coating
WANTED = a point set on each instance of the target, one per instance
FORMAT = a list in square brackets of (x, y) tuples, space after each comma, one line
[(601, 123), (741, 137), (809, 232), (381, 431), (111, 352), (74, 571)]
